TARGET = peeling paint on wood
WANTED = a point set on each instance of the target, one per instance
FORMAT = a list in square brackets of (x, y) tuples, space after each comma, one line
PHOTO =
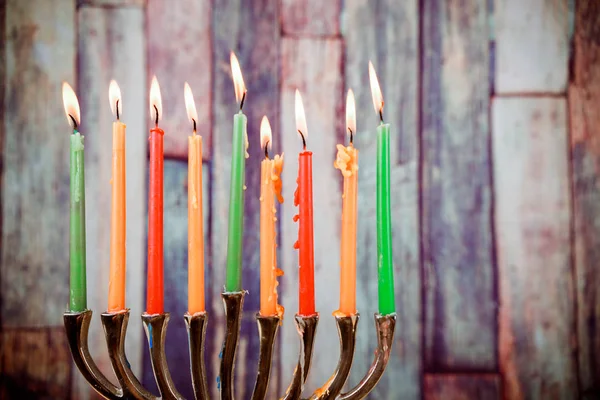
[(458, 265), (532, 218), (312, 18)]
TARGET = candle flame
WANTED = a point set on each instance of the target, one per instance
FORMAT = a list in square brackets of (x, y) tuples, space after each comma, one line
[(71, 105), (190, 105), (300, 116), (350, 113), (375, 90), (155, 100), (265, 133), (114, 97), (238, 79)]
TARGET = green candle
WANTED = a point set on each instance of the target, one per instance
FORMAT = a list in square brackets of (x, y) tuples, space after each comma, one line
[(384, 223), (78, 300), (236, 205)]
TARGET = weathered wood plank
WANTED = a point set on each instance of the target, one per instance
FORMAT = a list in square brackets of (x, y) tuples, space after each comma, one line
[(532, 218), (458, 264), (176, 273), (310, 18), (35, 363), (319, 78), (179, 50), (584, 98), (462, 387), (111, 44), (40, 54), (532, 46), (112, 3), (395, 55), (258, 52)]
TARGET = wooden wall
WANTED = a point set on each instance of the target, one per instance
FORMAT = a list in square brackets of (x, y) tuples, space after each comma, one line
[(495, 154)]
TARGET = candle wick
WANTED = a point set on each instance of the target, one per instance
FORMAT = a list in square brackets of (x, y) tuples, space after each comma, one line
[(156, 118), (381, 113), (117, 108), (351, 135), (194, 122), (267, 149), (303, 139), (242, 102), (74, 123)]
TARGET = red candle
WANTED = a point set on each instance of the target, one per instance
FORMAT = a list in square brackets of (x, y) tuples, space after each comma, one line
[(155, 291), (303, 200)]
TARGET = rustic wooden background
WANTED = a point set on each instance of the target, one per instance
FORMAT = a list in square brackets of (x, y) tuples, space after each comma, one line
[(495, 113)]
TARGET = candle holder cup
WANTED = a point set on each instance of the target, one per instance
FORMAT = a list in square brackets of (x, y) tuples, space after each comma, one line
[(129, 387)]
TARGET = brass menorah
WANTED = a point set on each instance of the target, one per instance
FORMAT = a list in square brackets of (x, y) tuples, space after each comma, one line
[(115, 328)]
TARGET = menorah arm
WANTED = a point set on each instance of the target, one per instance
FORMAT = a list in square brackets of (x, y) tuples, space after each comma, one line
[(347, 332), (155, 326), (234, 303), (196, 327), (307, 328), (267, 330), (77, 326), (385, 325)]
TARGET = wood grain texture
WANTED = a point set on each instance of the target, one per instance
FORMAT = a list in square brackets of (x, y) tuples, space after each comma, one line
[(310, 18), (111, 44), (257, 50), (462, 387), (35, 364), (319, 79), (458, 264), (179, 51), (112, 3), (584, 98), (532, 218), (396, 57), (532, 46), (176, 274), (40, 54)]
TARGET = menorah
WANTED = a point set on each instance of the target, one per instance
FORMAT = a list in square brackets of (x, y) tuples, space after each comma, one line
[(115, 328)]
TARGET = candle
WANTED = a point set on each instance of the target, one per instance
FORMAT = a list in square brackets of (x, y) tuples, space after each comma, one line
[(270, 187), (78, 293), (195, 221), (116, 283), (384, 224), (347, 162), (239, 144), (155, 293), (303, 200)]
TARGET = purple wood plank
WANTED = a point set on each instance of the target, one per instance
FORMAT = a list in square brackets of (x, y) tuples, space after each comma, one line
[(584, 98), (462, 387), (310, 17), (458, 264)]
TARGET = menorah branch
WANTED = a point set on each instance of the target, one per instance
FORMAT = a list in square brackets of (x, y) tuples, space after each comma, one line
[(267, 330), (347, 333), (233, 303), (196, 327), (385, 326), (307, 328)]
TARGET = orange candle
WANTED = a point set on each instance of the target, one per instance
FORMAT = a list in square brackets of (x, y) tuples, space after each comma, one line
[(195, 221), (347, 162), (116, 283), (270, 187)]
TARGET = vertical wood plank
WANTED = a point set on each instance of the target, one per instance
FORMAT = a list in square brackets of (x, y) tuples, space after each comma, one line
[(584, 98), (179, 50), (532, 218), (462, 387), (35, 364), (176, 274), (310, 17), (532, 46), (257, 49), (318, 77), (460, 304), (111, 44), (396, 57), (40, 54)]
